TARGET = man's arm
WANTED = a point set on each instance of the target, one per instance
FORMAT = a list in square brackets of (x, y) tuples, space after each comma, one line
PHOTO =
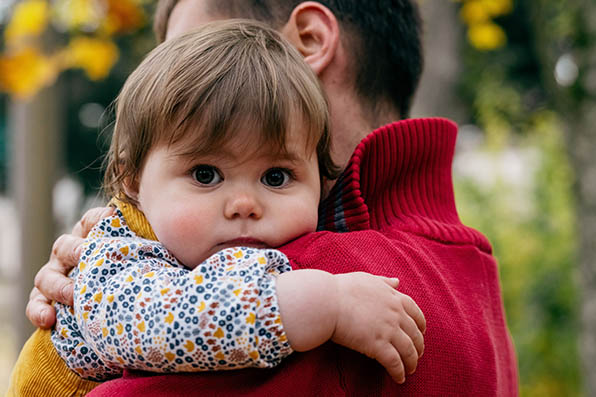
[(51, 282)]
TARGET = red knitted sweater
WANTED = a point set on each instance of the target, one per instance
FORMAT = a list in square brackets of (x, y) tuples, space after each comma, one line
[(391, 213)]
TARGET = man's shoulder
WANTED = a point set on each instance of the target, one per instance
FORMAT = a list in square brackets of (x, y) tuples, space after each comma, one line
[(349, 251), (379, 251)]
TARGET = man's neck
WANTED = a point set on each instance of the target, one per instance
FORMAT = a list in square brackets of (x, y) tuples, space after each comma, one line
[(349, 126), (348, 131)]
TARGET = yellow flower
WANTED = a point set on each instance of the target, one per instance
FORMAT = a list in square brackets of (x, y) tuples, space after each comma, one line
[(95, 56), (486, 36), (219, 333), (189, 345), (497, 7), (30, 18), (479, 11), (473, 12), (25, 72), (251, 318), (123, 16)]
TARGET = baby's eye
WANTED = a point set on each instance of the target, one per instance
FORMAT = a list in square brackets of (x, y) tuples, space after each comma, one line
[(207, 175), (276, 177)]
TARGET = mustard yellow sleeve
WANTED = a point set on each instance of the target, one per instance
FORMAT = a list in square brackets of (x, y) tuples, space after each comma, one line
[(40, 371)]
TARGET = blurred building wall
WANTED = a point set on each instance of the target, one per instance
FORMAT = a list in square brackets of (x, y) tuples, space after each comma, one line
[(34, 129)]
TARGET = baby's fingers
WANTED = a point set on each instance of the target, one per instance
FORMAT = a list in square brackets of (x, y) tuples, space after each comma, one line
[(407, 351), (393, 282), (391, 360), (409, 326), (414, 311)]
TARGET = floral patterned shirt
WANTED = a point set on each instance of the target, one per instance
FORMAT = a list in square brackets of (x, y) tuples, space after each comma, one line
[(137, 307)]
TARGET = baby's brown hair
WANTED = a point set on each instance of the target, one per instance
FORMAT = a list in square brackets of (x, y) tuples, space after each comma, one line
[(224, 77)]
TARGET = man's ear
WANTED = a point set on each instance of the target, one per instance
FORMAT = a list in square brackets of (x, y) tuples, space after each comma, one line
[(314, 31)]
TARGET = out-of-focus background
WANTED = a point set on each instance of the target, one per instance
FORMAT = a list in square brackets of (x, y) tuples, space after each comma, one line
[(519, 76)]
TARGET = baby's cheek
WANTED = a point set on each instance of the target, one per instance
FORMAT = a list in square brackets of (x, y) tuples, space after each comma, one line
[(182, 233), (310, 223), (303, 219), (186, 223)]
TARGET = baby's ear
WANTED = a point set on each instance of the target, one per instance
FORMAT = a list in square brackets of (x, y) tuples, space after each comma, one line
[(131, 189)]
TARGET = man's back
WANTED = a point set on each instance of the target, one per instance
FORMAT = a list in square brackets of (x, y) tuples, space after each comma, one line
[(468, 349)]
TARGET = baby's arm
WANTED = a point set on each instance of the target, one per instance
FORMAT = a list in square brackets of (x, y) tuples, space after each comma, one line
[(357, 310), (136, 307)]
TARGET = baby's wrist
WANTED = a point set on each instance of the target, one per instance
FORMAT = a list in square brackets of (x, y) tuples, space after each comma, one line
[(308, 306), (342, 315), (334, 299)]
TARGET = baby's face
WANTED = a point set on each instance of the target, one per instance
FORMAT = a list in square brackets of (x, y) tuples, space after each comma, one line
[(198, 206)]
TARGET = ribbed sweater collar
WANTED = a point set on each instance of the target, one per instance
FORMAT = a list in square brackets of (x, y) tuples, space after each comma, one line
[(399, 177)]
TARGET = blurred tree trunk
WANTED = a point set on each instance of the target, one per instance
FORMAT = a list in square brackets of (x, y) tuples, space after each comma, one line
[(34, 127), (576, 38), (436, 95)]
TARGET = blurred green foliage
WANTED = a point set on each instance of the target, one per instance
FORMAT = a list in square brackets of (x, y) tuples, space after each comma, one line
[(535, 248), (86, 145), (534, 240)]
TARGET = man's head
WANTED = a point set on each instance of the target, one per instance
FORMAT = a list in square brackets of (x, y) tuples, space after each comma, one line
[(383, 37)]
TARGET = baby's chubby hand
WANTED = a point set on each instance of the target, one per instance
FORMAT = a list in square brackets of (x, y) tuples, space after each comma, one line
[(375, 319)]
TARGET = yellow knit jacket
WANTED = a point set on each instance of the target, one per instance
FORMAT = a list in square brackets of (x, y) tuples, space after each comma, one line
[(39, 370)]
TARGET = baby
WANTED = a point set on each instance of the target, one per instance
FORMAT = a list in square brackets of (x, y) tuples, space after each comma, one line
[(219, 153)]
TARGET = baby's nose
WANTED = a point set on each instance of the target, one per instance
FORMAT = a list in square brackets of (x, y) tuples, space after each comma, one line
[(243, 206)]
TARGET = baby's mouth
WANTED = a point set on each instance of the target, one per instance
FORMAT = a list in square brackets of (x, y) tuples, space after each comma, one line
[(243, 242)]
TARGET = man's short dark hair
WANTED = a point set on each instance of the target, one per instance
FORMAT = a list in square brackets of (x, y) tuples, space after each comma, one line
[(385, 41)]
